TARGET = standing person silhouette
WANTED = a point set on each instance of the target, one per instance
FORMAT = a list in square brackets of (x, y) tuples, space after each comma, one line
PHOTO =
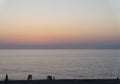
[(6, 78)]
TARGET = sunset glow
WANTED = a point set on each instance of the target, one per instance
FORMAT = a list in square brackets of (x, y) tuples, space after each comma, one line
[(59, 23)]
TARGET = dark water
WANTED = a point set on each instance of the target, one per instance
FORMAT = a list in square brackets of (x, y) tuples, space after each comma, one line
[(72, 64)]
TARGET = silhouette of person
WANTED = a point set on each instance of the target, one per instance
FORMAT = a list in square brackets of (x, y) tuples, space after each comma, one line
[(49, 77), (6, 78), (29, 77), (53, 77), (117, 78)]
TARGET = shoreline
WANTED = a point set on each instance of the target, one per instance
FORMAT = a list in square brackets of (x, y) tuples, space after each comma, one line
[(64, 81)]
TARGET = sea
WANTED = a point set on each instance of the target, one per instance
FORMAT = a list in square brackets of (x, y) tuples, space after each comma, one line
[(61, 63)]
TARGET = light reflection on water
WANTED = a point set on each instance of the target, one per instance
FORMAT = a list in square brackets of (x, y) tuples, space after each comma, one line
[(68, 64)]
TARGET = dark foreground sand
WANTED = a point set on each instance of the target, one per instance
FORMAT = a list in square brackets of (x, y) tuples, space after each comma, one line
[(82, 81)]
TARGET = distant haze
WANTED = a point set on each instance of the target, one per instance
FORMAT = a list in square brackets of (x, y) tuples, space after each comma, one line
[(59, 24)]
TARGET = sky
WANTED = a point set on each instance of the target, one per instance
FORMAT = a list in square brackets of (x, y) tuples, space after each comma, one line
[(59, 24)]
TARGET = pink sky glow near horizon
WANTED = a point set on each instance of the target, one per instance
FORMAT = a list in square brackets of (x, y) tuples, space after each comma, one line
[(59, 24)]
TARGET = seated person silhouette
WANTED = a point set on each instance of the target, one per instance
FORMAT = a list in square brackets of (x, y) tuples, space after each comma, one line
[(29, 77), (49, 77)]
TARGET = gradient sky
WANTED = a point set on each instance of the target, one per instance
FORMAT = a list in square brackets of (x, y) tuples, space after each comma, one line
[(67, 24)]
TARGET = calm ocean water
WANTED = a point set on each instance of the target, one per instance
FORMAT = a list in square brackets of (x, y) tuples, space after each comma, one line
[(68, 64)]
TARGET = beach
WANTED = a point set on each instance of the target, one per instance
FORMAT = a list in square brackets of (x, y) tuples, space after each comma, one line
[(64, 81)]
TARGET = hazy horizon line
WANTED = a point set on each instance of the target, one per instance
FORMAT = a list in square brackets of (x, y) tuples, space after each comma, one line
[(62, 49)]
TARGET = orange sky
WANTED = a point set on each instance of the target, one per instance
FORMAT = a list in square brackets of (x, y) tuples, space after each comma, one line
[(39, 23)]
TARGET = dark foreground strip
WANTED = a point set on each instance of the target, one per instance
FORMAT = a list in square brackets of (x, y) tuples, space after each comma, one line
[(69, 81)]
